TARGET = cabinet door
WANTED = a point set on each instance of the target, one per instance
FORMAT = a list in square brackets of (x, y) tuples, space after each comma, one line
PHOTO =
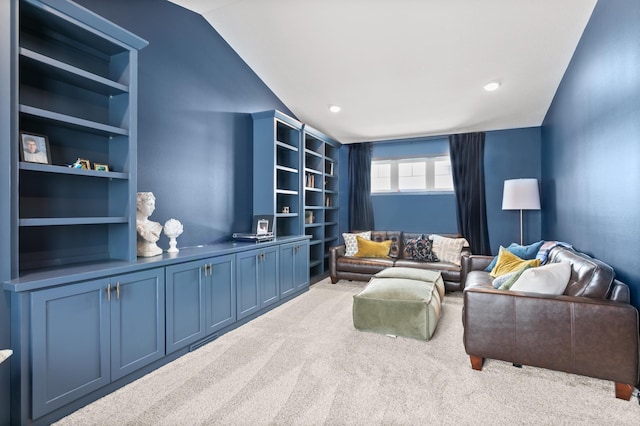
[(247, 283), (287, 269), (70, 343), (301, 262), (220, 293), (269, 290), (185, 304), (137, 321)]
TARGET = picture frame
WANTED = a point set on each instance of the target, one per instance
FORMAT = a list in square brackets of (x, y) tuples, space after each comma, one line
[(86, 164), (34, 148), (262, 224), (100, 167)]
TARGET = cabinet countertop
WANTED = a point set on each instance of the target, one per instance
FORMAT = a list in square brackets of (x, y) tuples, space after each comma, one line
[(50, 277)]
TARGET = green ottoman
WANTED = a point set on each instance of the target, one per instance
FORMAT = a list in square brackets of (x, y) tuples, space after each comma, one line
[(400, 301)]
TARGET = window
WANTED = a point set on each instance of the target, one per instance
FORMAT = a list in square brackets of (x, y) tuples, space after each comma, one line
[(423, 174)]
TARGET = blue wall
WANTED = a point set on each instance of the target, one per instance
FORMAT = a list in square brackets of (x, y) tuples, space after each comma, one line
[(431, 213), (195, 130), (511, 154), (508, 154), (591, 144)]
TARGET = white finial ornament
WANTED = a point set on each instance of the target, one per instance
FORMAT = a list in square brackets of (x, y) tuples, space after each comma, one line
[(172, 229)]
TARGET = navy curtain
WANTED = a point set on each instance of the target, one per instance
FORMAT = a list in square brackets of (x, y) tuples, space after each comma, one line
[(467, 168), (360, 208)]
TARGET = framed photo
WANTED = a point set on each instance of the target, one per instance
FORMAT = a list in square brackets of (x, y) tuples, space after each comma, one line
[(100, 167), (86, 164), (34, 148), (262, 224)]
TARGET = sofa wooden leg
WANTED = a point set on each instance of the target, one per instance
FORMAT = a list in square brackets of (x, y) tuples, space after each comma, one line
[(334, 280), (476, 362), (623, 391)]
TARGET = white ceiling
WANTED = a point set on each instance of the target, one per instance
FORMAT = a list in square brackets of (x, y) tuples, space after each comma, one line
[(405, 68)]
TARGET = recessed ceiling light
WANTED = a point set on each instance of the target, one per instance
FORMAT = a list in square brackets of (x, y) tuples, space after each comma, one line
[(494, 85), (334, 108)]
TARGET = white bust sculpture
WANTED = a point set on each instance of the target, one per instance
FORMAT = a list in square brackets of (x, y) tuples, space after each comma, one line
[(148, 231)]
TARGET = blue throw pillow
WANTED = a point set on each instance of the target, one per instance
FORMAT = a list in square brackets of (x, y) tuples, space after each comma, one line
[(523, 252)]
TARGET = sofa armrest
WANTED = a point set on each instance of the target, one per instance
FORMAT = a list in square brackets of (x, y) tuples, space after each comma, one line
[(478, 262), (464, 266), (564, 333), (334, 253)]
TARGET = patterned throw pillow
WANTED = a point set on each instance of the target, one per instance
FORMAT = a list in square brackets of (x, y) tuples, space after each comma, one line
[(448, 249), (351, 244), (420, 249)]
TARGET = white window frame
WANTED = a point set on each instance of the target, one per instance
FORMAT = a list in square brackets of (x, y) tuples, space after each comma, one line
[(394, 179)]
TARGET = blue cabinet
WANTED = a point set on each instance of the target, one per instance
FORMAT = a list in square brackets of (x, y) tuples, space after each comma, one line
[(220, 293), (257, 280), (300, 187), (77, 87), (294, 270), (200, 299), (185, 304), (88, 334)]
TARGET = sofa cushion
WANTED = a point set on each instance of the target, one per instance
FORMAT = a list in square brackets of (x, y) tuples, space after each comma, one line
[(396, 243), (509, 262), (448, 249), (498, 281), (548, 279), (589, 277), (449, 271), (512, 278), (368, 248), (363, 265), (419, 249), (523, 252), (350, 242)]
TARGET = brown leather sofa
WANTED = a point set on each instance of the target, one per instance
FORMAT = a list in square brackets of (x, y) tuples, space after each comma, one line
[(591, 329), (343, 267)]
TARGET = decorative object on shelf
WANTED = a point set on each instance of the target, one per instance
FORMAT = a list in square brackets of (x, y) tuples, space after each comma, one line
[(4, 354), (81, 163), (34, 148), (172, 229), (262, 224), (148, 231), (310, 180), (308, 217), (100, 167), (285, 209), (328, 202)]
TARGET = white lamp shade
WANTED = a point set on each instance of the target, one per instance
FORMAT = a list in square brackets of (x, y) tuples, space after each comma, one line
[(521, 194)]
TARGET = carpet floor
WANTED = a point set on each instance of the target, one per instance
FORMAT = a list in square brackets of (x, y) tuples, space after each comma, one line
[(304, 363)]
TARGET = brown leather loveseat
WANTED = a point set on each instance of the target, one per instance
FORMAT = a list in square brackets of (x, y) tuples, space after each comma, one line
[(363, 268), (591, 329)]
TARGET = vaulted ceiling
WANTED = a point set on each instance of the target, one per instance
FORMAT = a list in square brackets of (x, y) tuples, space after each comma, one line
[(405, 68)]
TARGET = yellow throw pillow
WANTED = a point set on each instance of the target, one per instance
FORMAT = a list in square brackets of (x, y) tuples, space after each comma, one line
[(509, 262), (368, 248)]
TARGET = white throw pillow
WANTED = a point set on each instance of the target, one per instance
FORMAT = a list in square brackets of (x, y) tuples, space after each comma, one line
[(351, 244), (548, 279), (448, 249)]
